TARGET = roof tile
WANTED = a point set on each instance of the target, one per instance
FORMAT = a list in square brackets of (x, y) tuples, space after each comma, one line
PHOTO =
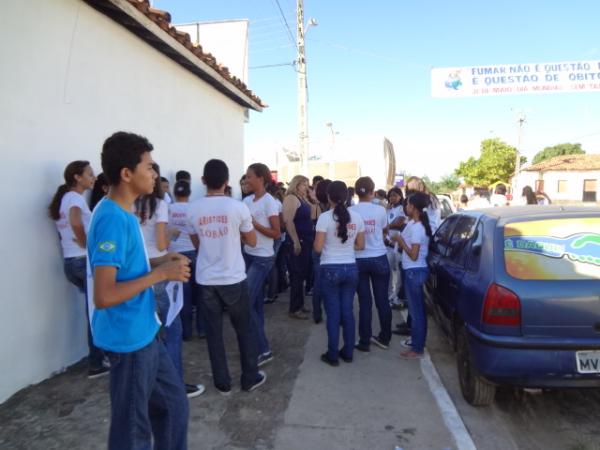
[(567, 163)]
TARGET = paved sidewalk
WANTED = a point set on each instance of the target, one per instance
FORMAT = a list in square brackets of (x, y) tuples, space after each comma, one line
[(377, 402)]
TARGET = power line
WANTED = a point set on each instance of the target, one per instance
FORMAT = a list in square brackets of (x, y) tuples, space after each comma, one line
[(292, 40), (272, 65)]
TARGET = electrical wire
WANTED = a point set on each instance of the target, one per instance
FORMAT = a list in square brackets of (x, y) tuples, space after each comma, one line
[(287, 26)]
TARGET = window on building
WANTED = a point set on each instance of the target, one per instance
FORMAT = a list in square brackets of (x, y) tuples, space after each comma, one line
[(589, 190), (562, 186)]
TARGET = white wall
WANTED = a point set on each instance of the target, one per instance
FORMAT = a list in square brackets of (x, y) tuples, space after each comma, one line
[(574, 180), (226, 40), (71, 77)]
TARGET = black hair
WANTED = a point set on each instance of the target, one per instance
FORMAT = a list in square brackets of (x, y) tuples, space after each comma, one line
[(183, 175), (98, 190), (364, 186), (72, 169), (163, 179), (350, 196), (420, 200), (122, 150), (321, 192), (317, 179), (464, 199), (145, 205), (216, 174), (500, 189), (228, 191), (529, 195), (338, 194), (380, 193), (395, 190), (182, 188), (262, 171), (276, 192)]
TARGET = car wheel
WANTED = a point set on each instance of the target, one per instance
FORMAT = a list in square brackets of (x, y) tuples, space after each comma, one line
[(475, 389)]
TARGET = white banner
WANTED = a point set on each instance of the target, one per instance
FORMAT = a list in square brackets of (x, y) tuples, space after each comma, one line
[(537, 78)]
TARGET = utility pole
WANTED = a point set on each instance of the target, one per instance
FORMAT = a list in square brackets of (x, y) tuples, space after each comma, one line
[(302, 91)]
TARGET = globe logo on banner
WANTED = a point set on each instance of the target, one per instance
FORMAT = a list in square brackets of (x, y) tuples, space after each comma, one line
[(453, 82)]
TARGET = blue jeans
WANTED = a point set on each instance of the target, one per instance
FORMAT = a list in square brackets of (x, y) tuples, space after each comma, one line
[(172, 333), (190, 302), (373, 273), (75, 270), (338, 286), (415, 279), (147, 399), (316, 299), (257, 269), (235, 297)]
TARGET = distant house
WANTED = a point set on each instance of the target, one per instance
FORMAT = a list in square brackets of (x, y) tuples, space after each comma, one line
[(74, 72), (569, 178)]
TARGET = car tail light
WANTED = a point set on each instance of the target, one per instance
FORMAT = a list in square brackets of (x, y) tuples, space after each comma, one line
[(501, 307)]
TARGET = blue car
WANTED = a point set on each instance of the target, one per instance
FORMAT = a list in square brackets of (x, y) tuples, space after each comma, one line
[(517, 291)]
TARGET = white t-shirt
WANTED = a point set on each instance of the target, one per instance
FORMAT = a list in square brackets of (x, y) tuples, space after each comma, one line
[(261, 210), (498, 200), (218, 221), (161, 215), (334, 251), (393, 214), (435, 217), (178, 220), (375, 220), (72, 199), (414, 233)]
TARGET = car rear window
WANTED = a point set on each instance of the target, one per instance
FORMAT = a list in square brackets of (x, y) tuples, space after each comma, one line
[(557, 249)]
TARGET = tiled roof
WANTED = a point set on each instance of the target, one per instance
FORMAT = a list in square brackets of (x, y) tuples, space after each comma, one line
[(567, 163), (219, 76)]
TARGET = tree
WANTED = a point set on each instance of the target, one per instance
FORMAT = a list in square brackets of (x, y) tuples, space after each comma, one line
[(558, 150), (496, 162), (446, 184)]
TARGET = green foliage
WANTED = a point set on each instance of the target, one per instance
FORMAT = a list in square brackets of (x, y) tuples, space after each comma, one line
[(558, 150), (447, 184), (496, 162)]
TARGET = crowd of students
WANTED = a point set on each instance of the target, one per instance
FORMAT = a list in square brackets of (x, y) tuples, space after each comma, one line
[(138, 244)]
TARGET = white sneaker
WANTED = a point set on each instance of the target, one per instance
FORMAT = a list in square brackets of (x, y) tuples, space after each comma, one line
[(406, 343)]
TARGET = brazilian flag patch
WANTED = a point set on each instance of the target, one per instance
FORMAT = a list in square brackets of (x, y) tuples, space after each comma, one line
[(107, 246)]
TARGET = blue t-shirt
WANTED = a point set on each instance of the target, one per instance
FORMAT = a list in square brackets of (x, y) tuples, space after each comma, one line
[(115, 239)]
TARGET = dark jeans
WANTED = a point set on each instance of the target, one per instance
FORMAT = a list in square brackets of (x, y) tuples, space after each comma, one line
[(273, 278), (415, 279), (190, 302), (298, 269), (374, 273), (338, 286), (235, 297), (316, 298), (75, 270), (257, 269), (172, 333), (147, 399)]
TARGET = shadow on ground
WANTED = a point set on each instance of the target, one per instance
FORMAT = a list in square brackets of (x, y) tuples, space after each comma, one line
[(69, 411)]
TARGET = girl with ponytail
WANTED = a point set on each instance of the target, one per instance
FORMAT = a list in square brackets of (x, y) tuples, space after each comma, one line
[(339, 232), (72, 216), (414, 242), (261, 257), (373, 269)]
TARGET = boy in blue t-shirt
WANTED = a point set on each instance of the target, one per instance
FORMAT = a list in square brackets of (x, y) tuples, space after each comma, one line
[(144, 383)]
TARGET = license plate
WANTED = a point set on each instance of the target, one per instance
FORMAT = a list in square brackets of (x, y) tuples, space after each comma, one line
[(588, 361)]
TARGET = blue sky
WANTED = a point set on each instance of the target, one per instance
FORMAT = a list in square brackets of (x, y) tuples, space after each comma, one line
[(369, 65)]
